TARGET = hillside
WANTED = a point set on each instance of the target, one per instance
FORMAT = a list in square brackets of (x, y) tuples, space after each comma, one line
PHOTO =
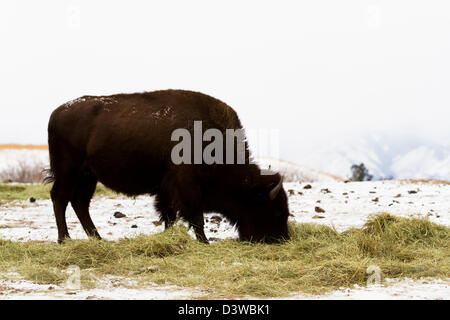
[(400, 157)]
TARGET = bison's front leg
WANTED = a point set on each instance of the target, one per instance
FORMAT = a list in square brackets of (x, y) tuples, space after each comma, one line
[(198, 224)]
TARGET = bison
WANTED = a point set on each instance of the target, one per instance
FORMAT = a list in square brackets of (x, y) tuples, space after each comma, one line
[(125, 142)]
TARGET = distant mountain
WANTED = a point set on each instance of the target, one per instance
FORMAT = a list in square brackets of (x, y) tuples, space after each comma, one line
[(295, 172), (384, 156)]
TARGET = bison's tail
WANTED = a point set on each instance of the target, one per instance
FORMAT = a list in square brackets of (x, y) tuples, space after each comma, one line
[(49, 173), (49, 176)]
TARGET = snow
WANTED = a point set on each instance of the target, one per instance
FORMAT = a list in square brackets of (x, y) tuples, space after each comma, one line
[(116, 288), (346, 205), (108, 288), (350, 204), (390, 289)]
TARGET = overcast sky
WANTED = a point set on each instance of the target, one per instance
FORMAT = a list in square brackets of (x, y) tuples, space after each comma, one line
[(315, 70)]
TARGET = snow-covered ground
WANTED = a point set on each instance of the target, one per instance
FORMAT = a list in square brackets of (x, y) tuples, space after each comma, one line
[(118, 288), (108, 288), (390, 289), (345, 205)]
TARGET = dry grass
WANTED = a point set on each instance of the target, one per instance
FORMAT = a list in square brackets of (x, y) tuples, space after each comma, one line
[(23, 172), (316, 259), (23, 146)]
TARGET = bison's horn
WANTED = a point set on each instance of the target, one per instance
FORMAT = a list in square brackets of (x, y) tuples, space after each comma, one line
[(274, 192)]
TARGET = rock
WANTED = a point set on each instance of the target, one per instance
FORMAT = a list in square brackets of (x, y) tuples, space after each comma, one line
[(398, 196), (318, 217), (345, 193), (375, 200), (308, 186), (319, 210), (318, 201), (326, 190), (291, 192), (119, 215), (372, 192), (300, 193), (152, 268), (32, 200), (157, 223), (134, 226), (412, 191)]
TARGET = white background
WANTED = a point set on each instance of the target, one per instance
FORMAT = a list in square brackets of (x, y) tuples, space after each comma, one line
[(315, 70)]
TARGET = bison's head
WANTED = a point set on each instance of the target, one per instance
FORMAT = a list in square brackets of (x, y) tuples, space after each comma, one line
[(265, 209)]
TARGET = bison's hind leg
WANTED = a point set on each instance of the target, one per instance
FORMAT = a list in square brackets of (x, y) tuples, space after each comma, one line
[(60, 195), (84, 190)]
